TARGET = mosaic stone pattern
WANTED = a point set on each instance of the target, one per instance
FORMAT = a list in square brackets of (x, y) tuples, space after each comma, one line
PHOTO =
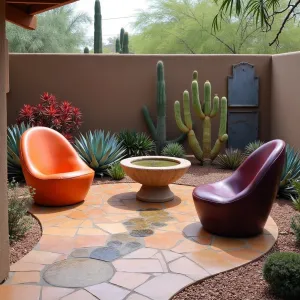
[(69, 262)]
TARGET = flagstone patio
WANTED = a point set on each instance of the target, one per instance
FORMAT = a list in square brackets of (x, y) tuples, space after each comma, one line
[(114, 247)]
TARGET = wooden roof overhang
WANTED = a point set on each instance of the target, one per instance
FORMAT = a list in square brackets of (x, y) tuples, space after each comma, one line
[(22, 12)]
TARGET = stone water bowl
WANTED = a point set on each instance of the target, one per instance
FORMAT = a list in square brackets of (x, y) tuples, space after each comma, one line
[(155, 173)]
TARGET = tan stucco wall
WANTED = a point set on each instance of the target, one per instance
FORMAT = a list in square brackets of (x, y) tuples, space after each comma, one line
[(4, 249), (111, 89), (285, 108)]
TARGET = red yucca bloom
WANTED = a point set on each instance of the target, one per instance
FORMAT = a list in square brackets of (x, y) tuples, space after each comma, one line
[(62, 117)]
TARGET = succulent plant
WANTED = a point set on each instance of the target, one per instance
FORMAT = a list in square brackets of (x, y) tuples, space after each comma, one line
[(159, 132), (173, 150), (116, 172), (251, 147), (14, 133), (99, 150), (86, 50), (136, 143), (290, 174), (231, 159), (205, 112)]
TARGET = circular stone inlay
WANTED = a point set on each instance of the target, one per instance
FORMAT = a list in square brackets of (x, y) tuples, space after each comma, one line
[(106, 253), (78, 273), (133, 245), (159, 224), (115, 244), (141, 232)]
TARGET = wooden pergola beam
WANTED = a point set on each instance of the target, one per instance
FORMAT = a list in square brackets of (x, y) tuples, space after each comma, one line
[(32, 2), (19, 17), (39, 8)]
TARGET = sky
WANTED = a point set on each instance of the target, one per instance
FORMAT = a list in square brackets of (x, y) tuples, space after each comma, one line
[(113, 9)]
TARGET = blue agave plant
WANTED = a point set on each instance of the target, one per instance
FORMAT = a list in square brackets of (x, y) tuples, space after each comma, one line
[(99, 150), (14, 134), (290, 174)]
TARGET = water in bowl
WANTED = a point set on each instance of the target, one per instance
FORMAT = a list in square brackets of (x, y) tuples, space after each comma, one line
[(155, 163)]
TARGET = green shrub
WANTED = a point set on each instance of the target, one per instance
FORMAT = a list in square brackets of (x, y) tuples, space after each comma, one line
[(136, 143), (14, 134), (173, 150), (231, 159), (290, 174), (116, 172), (296, 199), (19, 200), (99, 150), (251, 147), (295, 226), (282, 272)]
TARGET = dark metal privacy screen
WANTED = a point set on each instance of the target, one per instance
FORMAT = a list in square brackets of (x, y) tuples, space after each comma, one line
[(243, 86), (243, 106), (242, 128)]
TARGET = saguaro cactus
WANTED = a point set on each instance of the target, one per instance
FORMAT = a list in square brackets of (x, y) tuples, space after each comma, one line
[(159, 133), (97, 28), (122, 43), (205, 112)]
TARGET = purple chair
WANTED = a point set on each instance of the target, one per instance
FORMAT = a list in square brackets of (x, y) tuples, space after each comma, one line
[(239, 206)]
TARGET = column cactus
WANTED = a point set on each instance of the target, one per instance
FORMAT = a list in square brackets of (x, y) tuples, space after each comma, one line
[(98, 28), (205, 112), (122, 43), (159, 132)]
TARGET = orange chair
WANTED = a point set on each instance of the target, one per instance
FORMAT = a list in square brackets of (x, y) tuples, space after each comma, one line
[(53, 168)]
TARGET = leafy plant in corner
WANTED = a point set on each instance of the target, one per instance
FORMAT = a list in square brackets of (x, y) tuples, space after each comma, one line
[(173, 150), (251, 147), (19, 200), (282, 272), (99, 150), (136, 143), (116, 172), (295, 226), (231, 159), (296, 199), (62, 117), (290, 174), (205, 112), (159, 132), (14, 133)]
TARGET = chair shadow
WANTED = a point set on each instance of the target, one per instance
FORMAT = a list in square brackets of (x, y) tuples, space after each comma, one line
[(44, 209), (231, 246)]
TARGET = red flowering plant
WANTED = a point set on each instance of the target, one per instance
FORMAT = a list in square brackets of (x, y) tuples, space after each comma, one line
[(62, 117)]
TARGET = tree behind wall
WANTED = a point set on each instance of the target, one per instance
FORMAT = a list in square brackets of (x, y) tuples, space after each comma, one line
[(62, 30), (264, 12), (178, 27), (98, 28)]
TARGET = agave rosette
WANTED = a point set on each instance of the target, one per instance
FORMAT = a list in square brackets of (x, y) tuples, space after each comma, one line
[(99, 150), (290, 174), (14, 134)]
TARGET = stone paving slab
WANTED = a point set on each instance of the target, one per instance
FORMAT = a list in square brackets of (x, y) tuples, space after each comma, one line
[(112, 246)]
